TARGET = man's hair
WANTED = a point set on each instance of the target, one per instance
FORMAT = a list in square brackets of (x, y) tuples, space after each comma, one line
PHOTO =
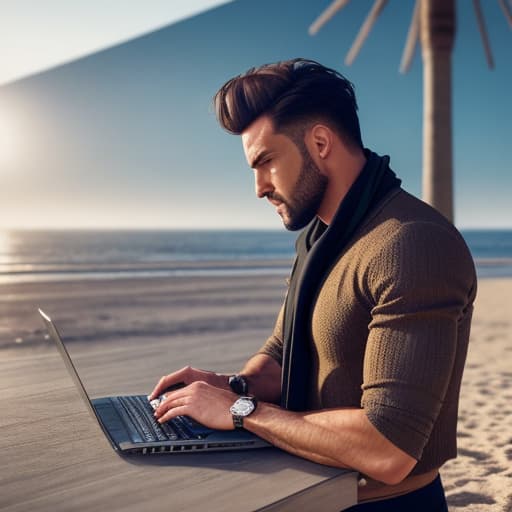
[(293, 94)]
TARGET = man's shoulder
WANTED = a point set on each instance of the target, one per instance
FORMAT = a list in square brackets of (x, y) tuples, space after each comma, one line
[(402, 223), (405, 208), (399, 212)]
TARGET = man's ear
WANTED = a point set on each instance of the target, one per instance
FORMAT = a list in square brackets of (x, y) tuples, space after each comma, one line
[(319, 141)]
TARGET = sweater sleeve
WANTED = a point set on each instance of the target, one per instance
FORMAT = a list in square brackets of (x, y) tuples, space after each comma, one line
[(273, 347), (421, 283)]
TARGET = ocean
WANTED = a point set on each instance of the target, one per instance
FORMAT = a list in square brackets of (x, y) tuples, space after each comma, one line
[(27, 256)]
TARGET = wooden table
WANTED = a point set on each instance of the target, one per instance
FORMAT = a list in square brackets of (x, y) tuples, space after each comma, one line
[(54, 457)]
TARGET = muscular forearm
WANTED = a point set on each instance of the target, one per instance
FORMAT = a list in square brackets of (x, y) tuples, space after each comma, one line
[(263, 374), (341, 437), (336, 437)]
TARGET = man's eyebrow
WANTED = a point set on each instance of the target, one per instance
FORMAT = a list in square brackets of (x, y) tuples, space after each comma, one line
[(259, 158)]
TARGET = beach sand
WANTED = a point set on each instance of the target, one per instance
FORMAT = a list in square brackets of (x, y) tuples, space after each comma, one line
[(480, 479), (218, 322)]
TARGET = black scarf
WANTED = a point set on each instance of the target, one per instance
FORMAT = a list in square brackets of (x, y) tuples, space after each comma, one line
[(319, 247)]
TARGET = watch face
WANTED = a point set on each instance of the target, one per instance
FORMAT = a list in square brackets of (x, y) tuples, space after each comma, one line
[(242, 407)]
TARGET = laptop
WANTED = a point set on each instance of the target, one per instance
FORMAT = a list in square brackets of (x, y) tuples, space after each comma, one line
[(129, 424)]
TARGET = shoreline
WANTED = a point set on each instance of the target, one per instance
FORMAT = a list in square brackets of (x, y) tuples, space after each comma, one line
[(487, 268), (142, 270)]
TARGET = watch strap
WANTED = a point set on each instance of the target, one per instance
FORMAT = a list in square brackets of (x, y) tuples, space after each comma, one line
[(238, 383), (238, 421)]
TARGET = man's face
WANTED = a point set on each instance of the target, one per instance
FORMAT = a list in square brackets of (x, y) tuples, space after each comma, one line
[(285, 175)]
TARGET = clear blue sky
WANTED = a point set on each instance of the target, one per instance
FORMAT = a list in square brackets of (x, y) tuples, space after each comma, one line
[(126, 137)]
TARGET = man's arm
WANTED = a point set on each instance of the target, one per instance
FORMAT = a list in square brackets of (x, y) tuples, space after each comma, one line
[(262, 372), (336, 437)]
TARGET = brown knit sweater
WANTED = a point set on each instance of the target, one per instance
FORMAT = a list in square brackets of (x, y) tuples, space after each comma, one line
[(390, 328)]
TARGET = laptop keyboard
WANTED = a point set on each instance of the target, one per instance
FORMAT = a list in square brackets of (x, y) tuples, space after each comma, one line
[(140, 414)]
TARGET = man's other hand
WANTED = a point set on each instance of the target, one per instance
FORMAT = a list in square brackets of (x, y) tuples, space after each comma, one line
[(186, 376)]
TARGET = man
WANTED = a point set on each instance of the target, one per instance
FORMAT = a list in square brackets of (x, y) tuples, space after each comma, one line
[(367, 354)]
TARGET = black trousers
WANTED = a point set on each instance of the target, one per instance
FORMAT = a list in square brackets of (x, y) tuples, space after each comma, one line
[(430, 498)]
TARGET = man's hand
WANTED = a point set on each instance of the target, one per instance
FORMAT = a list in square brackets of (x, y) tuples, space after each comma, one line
[(203, 402), (186, 376)]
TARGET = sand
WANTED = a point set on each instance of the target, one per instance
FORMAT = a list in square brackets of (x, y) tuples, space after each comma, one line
[(225, 320), (480, 479)]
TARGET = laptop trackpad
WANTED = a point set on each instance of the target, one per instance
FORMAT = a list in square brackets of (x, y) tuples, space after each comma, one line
[(117, 429)]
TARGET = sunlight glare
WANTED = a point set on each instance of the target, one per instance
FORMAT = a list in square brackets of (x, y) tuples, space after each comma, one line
[(8, 149), (5, 250)]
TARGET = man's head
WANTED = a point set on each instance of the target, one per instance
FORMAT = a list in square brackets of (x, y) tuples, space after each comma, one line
[(274, 107), (293, 94)]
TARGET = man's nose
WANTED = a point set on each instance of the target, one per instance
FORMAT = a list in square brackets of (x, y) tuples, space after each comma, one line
[(262, 183)]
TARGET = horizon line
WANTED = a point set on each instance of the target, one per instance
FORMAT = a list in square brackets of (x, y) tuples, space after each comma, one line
[(196, 228)]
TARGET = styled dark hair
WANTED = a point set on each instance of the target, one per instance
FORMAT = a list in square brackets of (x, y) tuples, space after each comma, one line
[(293, 93)]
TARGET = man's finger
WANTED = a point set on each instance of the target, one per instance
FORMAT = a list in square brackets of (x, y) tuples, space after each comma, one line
[(173, 387), (167, 382), (172, 413), (169, 402), (160, 386)]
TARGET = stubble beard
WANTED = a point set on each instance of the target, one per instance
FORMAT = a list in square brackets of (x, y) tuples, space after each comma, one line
[(306, 197)]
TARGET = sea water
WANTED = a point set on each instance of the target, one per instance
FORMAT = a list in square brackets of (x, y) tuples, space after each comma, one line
[(60, 254)]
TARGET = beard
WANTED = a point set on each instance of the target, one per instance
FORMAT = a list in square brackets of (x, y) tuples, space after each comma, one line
[(300, 209)]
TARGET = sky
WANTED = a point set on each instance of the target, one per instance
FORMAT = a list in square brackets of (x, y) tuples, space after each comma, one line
[(125, 137), (59, 31)]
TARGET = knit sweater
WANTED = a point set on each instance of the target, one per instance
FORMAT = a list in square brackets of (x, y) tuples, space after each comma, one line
[(390, 328)]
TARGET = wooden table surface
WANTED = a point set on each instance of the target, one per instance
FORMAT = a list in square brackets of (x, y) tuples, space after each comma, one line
[(54, 456)]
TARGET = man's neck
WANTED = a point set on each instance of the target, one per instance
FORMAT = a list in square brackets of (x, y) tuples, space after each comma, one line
[(342, 175)]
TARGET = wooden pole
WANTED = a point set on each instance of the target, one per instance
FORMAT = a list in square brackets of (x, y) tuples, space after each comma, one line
[(437, 32)]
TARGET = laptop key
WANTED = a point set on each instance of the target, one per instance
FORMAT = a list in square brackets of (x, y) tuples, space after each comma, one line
[(180, 428), (158, 430), (142, 404), (169, 431), (137, 418)]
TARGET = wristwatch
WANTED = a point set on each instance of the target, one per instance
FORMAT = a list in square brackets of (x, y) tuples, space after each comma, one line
[(244, 406), (238, 383)]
